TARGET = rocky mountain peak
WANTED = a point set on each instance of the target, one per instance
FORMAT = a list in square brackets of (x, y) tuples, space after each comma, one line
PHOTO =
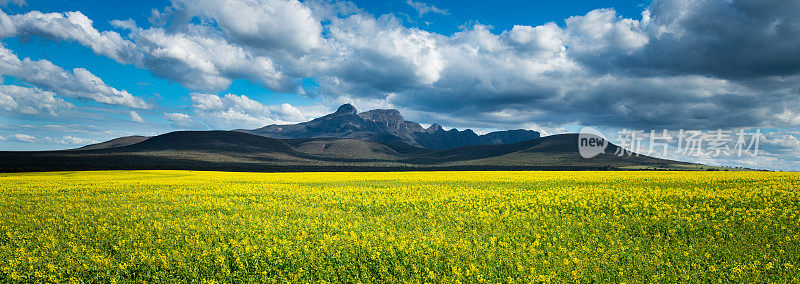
[(388, 116), (346, 109), (434, 127)]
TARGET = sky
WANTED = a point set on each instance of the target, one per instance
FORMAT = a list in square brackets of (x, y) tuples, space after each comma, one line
[(74, 73)]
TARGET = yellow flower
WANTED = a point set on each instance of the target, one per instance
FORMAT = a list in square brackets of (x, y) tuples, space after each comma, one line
[(175, 226)]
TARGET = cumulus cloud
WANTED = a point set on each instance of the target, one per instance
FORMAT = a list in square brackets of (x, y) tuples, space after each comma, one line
[(424, 8), (70, 26), (23, 138), (79, 83), (272, 24), (77, 140), (181, 120), (781, 142), (496, 73), (7, 27), (194, 56), (234, 111), (200, 62), (601, 32), (277, 43), (69, 140), (543, 41), (378, 56), (135, 117), (30, 100)]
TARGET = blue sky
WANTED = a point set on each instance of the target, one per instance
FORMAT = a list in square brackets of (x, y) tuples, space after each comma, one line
[(552, 66)]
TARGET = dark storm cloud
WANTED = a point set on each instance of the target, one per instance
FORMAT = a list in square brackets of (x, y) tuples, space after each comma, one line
[(728, 39)]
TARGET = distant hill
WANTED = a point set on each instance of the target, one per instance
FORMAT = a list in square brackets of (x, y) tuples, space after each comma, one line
[(114, 143), (238, 151), (211, 141), (376, 125)]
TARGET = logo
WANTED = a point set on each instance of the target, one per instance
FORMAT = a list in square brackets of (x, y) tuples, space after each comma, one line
[(591, 142)]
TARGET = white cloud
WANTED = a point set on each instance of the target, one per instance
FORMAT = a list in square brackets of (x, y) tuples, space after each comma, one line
[(233, 111), (192, 57), (70, 140), (80, 83), (30, 100), (601, 31), (7, 28), (544, 41), (23, 138), (135, 117), (380, 55), (781, 142), (206, 102), (205, 63), (77, 140), (181, 120), (424, 8), (73, 26), (287, 25)]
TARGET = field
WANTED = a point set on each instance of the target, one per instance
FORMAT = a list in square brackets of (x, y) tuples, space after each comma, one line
[(470, 227)]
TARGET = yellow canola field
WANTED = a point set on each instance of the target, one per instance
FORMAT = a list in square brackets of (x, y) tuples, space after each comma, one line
[(468, 227)]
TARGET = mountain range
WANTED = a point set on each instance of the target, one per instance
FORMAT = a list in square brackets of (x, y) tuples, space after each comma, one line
[(388, 126), (376, 140)]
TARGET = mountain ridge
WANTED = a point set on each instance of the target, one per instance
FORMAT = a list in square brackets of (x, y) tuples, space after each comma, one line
[(347, 122)]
